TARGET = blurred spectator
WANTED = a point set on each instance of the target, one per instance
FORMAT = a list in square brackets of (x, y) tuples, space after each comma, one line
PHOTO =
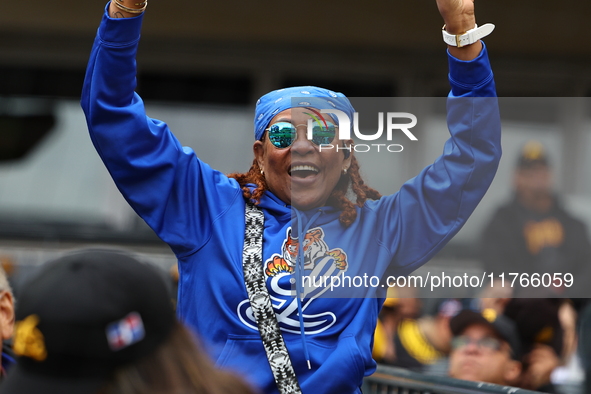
[(421, 342), (585, 345), (542, 338), (383, 343), (6, 322), (538, 322), (101, 322), (533, 233), (173, 273), (409, 305), (495, 298), (568, 316), (484, 349), (401, 303)]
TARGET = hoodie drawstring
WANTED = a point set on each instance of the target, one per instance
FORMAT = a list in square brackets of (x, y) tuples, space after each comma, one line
[(299, 277)]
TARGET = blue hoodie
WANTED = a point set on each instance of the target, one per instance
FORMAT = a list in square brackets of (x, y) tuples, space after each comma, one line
[(199, 212)]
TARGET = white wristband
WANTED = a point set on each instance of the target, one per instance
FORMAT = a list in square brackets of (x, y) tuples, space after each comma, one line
[(469, 37)]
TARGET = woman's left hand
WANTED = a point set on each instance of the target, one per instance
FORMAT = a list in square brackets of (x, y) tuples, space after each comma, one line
[(459, 17)]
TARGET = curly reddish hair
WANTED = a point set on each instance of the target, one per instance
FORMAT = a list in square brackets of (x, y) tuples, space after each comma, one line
[(338, 198)]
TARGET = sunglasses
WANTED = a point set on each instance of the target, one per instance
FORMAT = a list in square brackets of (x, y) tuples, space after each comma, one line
[(483, 343), (283, 134)]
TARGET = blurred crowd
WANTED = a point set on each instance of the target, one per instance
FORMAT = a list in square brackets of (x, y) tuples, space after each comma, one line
[(528, 337), (531, 343)]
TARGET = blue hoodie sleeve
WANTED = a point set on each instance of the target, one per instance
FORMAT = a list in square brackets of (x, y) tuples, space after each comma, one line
[(473, 78), (432, 207), (179, 196)]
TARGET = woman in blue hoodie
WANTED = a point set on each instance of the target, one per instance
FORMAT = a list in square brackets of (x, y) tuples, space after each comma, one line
[(310, 226)]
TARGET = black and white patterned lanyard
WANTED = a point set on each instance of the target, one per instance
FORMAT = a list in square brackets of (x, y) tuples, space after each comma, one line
[(260, 302)]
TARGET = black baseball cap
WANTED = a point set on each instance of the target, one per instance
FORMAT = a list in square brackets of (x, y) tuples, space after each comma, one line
[(83, 316), (501, 325), (537, 322), (532, 154)]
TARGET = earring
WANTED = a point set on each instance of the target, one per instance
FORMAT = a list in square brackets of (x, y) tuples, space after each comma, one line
[(262, 172), (345, 171)]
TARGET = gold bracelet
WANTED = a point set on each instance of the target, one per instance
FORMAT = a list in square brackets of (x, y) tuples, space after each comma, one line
[(119, 4), (123, 4)]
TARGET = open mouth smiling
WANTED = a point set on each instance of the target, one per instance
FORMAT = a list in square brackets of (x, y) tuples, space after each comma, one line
[(303, 171)]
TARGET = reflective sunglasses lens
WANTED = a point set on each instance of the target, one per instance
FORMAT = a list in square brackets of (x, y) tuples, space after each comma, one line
[(322, 135), (282, 134)]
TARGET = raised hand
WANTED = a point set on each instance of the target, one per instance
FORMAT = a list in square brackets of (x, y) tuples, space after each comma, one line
[(458, 16), (126, 8)]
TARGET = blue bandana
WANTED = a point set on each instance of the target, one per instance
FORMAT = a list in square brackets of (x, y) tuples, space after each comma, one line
[(300, 96)]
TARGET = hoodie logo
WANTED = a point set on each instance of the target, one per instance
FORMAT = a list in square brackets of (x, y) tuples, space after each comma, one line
[(320, 263)]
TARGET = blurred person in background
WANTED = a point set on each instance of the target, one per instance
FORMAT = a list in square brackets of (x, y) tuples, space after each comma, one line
[(6, 323), (383, 343), (542, 337), (493, 297), (485, 348), (585, 345), (422, 342), (533, 233), (101, 322), (401, 303)]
